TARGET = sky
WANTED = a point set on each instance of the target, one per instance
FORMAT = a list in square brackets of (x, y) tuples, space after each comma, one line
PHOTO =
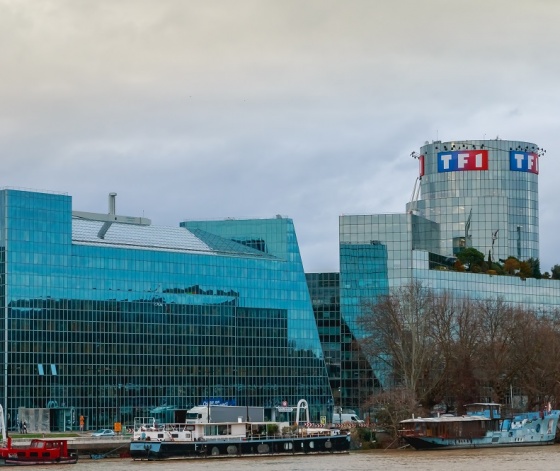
[(309, 109)]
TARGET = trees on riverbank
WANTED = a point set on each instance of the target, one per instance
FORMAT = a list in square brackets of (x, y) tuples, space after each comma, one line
[(437, 350)]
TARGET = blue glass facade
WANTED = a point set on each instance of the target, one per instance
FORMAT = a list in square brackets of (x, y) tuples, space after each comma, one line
[(112, 327)]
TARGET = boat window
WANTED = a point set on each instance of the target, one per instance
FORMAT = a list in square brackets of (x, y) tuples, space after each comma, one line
[(210, 430)]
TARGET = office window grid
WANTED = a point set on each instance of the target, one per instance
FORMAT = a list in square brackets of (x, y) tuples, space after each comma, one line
[(112, 332)]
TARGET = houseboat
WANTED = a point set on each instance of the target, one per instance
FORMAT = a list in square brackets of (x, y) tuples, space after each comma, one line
[(234, 439), (482, 426)]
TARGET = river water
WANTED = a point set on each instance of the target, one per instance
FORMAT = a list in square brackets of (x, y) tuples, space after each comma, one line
[(545, 458)]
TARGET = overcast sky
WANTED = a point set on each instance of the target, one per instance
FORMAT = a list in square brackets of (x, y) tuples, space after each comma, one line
[(209, 109)]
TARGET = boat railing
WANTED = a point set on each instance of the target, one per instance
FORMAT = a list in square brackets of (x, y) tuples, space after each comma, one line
[(147, 427), (411, 433)]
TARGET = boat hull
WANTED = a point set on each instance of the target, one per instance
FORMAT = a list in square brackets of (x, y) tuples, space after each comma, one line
[(421, 443), (37, 462), (161, 450), (482, 427)]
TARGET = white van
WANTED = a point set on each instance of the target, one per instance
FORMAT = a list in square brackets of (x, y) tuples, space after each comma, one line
[(341, 418)]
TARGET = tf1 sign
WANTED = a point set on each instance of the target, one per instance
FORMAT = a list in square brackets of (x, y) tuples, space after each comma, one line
[(523, 162), (462, 160)]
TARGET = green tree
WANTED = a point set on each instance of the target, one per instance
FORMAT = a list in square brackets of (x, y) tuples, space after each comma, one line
[(535, 267), (471, 258), (555, 272)]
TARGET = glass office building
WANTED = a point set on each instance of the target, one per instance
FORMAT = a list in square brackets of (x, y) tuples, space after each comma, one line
[(351, 377), (324, 290), (481, 194), (109, 317)]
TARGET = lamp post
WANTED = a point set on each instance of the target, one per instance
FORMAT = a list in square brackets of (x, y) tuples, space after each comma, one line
[(339, 405), (96, 366), (247, 397), (97, 397), (119, 386)]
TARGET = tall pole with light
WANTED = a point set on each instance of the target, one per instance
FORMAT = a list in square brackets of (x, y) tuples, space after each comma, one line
[(96, 396), (96, 365), (5, 337)]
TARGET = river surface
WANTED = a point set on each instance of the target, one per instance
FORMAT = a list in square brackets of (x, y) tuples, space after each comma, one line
[(545, 458)]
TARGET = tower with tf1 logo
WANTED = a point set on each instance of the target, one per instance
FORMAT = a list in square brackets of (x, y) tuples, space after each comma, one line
[(483, 194)]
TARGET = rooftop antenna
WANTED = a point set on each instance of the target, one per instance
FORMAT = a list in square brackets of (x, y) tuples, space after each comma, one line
[(494, 237), (416, 189), (467, 227)]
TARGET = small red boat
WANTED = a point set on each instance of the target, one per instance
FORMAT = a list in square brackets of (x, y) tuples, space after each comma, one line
[(39, 452)]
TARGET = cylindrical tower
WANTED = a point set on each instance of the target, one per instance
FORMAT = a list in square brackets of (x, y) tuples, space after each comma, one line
[(483, 194)]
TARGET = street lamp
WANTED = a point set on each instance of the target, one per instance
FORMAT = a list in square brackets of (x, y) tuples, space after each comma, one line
[(97, 397), (119, 398), (247, 398), (339, 405), (96, 365)]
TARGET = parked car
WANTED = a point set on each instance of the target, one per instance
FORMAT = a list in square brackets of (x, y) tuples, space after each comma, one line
[(104, 432)]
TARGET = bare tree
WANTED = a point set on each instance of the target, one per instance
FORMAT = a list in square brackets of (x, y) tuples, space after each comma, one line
[(457, 332), (496, 364), (437, 347), (399, 329), (537, 352), (391, 407)]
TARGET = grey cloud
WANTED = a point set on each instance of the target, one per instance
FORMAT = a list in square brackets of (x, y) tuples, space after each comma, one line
[(250, 108)]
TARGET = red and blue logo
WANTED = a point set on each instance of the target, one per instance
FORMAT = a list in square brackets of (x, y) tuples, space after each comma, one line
[(462, 160), (524, 161)]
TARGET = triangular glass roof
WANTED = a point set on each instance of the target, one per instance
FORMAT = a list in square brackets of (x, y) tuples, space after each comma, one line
[(157, 238)]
